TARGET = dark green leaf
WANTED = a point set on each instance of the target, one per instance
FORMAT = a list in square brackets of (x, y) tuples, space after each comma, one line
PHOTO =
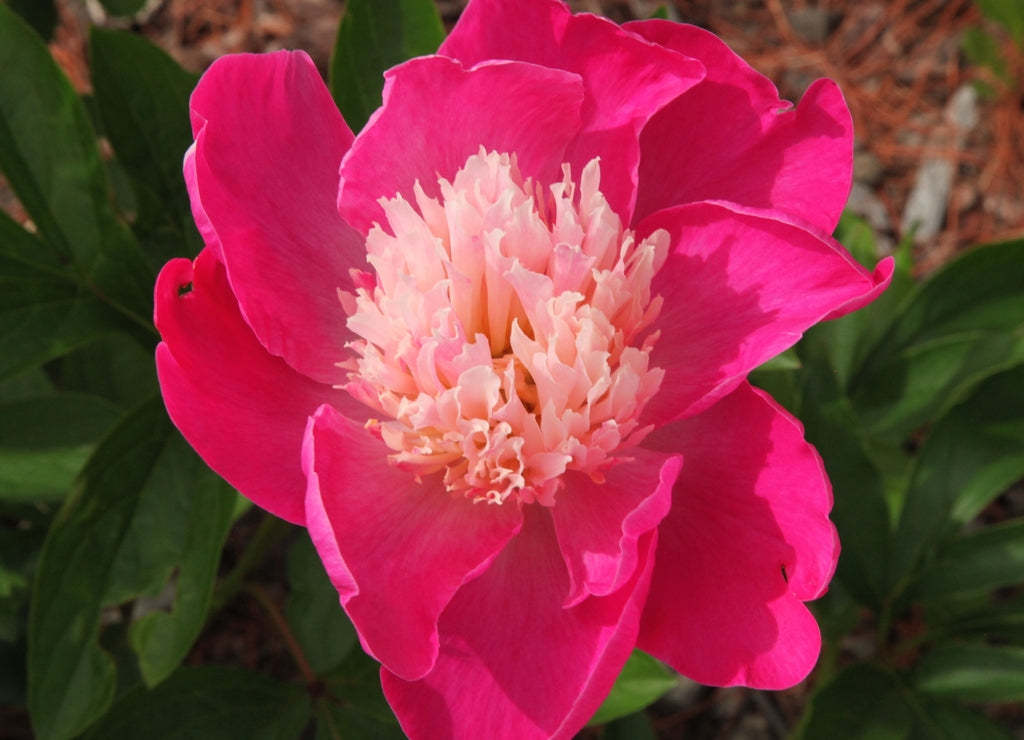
[(116, 368), (48, 153), (636, 726), (643, 680), (976, 563), (848, 340), (122, 7), (862, 702), (965, 324), (354, 707), (861, 511), (972, 672), (313, 610), (374, 36), (944, 720), (209, 702), (1008, 13), (984, 51), (998, 619), (142, 95), (973, 454), (144, 507), (41, 15), (45, 441)]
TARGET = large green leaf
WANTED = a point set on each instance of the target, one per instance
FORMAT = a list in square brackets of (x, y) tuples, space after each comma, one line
[(43, 312), (122, 7), (643, 680), (353, 706), (861, 511), (144, 508), (960, 327), (374, 36), (314, 613), (45, 441), (862, 702), (979, 562), (142, 95), (972, 672), (48, 153), (972, 455), (209, 702)]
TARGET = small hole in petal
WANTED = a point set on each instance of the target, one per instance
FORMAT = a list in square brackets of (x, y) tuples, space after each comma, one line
[(184, 289), (785, 577)]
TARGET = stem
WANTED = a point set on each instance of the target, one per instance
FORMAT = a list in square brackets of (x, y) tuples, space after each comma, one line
[(308, 675), (270, 532)]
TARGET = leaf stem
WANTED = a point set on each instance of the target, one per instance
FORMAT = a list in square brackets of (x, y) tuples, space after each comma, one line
[(260, 594), (270, 532)]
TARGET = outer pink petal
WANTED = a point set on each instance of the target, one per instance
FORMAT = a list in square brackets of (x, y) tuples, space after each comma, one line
[(242, 409), (263, 180), (513, 662), (627, 80), (396, 549), (740, 286), (731, 138), (747, 540), (599, 525), (436, 114)]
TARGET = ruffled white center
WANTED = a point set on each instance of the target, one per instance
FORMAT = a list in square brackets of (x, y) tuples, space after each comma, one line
[(500, 334)]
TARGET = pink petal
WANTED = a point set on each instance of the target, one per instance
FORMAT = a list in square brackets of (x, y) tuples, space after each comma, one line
[(599, 525), (263, 180), (396, 549), (626, 79), (740, 286), (243, 410), (513, 662), (731, 138), (436, 114), (747, 540)]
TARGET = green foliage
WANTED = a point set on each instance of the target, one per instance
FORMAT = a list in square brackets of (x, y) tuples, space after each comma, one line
[(374, 36)]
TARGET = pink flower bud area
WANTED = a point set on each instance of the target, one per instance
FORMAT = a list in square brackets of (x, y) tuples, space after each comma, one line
[(502, 335)]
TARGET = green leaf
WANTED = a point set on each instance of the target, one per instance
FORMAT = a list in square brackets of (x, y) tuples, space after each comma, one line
[(142, 95), (849, 339), (972, 455), (660, 12), (144, 507), (996, 618), (963, 325), (861, 511), (944, 720), (48, 153), (353, 707), (636, 726), (314, 613), (374, 36), (45, 441), (116, 368), (975, 563), (643, 681), (122, 7), (40, 14), (1008, 13), (984, 51), (972, 672), (862, 702), (209, 702)]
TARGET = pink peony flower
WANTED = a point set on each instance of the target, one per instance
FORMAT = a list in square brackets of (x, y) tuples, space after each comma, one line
[(498, 366)]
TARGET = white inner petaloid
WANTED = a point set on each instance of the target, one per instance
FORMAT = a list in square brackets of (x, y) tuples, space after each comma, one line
[(501, 332)]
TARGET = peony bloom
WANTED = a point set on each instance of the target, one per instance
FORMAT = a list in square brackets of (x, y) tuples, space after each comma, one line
[(497, 362)]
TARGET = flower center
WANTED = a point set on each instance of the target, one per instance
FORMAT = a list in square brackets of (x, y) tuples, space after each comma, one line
[(499, 336)]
